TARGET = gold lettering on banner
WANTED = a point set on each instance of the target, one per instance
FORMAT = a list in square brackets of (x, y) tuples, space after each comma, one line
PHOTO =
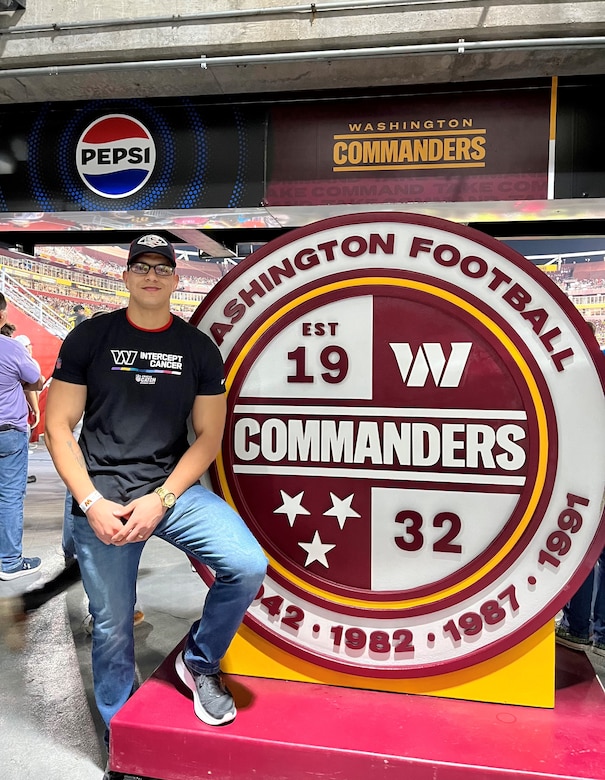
[(410, 145)]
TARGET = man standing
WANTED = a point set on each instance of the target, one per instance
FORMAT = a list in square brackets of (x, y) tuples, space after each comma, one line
[(141, 374), (18, 372), (79, 314), (33, 399)]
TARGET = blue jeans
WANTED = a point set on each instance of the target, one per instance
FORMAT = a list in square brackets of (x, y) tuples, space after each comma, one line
[(69, 549), (13, 481), (206, 528), (67, 541), (588, 603)]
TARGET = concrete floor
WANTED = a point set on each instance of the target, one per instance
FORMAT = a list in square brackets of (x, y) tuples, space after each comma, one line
[(49, 727)]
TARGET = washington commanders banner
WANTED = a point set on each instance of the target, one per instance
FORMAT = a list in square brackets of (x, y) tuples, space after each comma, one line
[(428, 148), (115, 155)]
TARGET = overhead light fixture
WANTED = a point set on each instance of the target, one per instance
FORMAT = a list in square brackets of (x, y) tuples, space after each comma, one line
[(12, 5)]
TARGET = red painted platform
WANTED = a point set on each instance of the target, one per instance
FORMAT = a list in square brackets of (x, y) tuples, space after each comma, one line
[(295, 731)]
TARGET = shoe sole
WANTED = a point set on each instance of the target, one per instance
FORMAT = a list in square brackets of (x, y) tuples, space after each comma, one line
[(186, 678), (581, 647), (13, 575), (598, 651), (139, 617)]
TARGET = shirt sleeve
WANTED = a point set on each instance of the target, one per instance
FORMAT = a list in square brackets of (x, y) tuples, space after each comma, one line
[(211, 379), (74, 355), (29, 370)]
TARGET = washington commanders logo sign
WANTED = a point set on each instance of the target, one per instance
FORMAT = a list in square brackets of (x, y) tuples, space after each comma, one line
[(414, 435)]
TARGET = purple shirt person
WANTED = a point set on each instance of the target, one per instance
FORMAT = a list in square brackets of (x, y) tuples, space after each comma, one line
[(18, 371)]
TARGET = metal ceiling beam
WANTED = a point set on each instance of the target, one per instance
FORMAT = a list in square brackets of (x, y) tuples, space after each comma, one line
[(460, 47), (12, 5)]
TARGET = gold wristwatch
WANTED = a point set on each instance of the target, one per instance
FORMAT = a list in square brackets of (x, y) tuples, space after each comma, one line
[(168, 499)]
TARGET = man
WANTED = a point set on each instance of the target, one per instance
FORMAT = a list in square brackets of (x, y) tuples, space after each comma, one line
[(582, 625), (33, 399), (140, 373), (8, 329), (79, 314), (18, 372)]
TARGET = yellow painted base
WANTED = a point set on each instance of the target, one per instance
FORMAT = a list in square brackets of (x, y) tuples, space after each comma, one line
[(523, 675)]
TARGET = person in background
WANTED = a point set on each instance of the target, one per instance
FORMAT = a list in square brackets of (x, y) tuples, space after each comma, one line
[(8, 329), (135, 473), (79, 314), (18, 372), (33, 398), (582, 625)]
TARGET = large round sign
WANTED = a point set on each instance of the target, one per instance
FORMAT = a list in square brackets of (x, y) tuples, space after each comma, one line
[(415, 435), (115, 156)]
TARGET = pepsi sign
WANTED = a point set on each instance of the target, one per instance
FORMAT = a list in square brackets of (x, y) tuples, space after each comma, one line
[(115, 156)]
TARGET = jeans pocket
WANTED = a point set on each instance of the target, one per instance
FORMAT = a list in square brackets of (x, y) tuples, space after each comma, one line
[(12, 442)]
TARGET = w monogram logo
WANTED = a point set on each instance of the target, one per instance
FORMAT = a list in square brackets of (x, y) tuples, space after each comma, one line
[(414, 369), (124, 357)]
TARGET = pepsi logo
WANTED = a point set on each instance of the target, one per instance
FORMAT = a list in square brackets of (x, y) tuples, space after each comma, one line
[(115, 156)]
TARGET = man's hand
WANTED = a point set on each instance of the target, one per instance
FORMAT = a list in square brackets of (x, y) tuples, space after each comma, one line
[(140, 519), (106, 519), (35, 386)]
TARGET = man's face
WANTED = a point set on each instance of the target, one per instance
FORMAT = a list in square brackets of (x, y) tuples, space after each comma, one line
[(146, 286)]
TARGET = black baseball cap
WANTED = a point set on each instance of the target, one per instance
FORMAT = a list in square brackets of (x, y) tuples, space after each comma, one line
[(152, 243)]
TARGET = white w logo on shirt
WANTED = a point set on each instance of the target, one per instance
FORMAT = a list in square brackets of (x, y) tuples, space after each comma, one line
[(124, 357), (414, 370)]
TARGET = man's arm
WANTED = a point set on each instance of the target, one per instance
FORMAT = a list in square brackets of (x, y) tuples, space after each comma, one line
[(64, 407), (34, 386), (32, 400), (208, 421)]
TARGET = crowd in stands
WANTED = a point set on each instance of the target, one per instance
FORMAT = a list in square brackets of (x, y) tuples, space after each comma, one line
[(64, 307), (61, 276), (74, 258), (599, 330), (97, 301), (584, 284), (65, 275), (99, 262)]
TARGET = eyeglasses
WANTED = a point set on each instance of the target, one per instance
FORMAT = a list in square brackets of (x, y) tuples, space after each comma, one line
[(144, 268)]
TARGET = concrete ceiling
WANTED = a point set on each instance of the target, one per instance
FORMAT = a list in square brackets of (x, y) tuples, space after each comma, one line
[(236, 48)]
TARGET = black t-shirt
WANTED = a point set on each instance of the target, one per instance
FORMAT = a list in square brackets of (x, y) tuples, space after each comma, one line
[(141, 386)]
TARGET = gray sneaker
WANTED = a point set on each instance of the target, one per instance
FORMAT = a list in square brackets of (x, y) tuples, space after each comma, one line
[(598, 648), (111, 775), (212, 701), (564, 637)]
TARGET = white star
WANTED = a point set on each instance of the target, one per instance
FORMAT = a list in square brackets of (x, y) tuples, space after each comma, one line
[(292, 506), (341, 509), (316, 550)]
